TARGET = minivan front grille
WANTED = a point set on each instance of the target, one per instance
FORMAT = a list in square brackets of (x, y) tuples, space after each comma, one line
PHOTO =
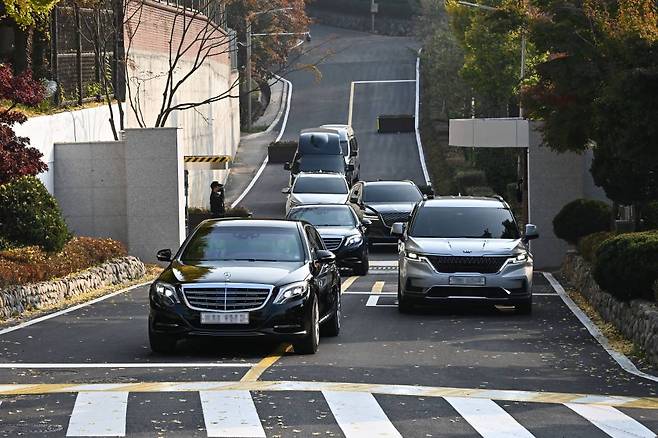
[(226, 297), (332, 243), (452, 264)]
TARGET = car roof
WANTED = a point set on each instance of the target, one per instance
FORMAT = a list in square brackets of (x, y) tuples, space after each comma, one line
[(320, 175), (465, 201), (388, 183), (321, 206), (343, 130), (319, 141), (231, 222)]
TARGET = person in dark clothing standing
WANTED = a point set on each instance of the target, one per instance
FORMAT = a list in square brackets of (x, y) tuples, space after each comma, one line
[(217, 207)]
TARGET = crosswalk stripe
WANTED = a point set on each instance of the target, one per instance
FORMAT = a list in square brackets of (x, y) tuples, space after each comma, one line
[(347, 283), (487, 418), (99, 414), (358, 414), (230, 414), (611, 421)]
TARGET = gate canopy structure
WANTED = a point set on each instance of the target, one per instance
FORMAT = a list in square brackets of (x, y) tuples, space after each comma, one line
[(490, 133), (207, 162)]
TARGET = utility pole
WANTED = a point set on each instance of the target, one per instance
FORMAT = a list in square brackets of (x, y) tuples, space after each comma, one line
[(374, 8), (248, 74)]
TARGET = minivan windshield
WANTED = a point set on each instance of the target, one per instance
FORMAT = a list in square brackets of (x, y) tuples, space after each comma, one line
[(391, 193), (464, 222), (254, 243), (324, 216), (326, 163), (307, 184)]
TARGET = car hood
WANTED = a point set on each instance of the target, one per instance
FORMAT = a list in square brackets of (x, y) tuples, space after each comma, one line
[(336, 231), (397, 207), (320, 198), (274, 273), (463, 247)]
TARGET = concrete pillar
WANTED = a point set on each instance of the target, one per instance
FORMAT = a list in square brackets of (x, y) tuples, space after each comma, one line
[(155, 197)]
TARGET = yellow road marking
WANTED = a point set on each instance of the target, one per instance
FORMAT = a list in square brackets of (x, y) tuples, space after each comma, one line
[(409, 390), (347, 283), (377, 287), (257, 370)]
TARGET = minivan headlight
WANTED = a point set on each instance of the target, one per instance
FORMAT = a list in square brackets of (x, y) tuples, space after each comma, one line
[(165, 293), (411, 255), (520, 258), (292, 291)]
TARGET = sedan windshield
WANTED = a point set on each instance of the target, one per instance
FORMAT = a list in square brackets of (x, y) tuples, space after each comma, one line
[(325, 163), (320, 185), (466, 222), (255, 243), (391, 193), (324, 217)]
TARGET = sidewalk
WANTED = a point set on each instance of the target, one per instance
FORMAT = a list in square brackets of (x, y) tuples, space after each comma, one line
[(252, 149)]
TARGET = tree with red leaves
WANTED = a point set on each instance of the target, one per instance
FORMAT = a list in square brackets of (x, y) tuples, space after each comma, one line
[(17, 158)]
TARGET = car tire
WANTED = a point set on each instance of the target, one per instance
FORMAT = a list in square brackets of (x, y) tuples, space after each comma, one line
[(363, 267), (404, 306), (310, 343), (163, 344), (331, 327), (524, 307)]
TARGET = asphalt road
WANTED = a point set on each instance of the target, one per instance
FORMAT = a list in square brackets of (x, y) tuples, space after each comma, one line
[(481, 371)]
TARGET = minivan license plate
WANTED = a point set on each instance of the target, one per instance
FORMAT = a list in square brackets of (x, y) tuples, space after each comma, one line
[(467, 281), (224, 318)]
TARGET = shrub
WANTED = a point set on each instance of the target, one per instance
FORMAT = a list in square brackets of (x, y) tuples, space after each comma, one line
[(479, 191), (650, 216), (470, 178), (588, 245), (580, 218), (627, 265), (499, 166), (29, 215), (32, 264)]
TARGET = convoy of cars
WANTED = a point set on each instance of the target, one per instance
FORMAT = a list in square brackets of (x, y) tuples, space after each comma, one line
[(280, 279)]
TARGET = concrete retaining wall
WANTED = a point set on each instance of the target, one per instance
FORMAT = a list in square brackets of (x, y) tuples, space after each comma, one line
[(15, 300), (637, 320)]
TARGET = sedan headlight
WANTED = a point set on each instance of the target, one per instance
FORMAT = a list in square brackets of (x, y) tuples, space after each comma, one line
[(354, 240), (292, 291), (411, 255), (165, 293)]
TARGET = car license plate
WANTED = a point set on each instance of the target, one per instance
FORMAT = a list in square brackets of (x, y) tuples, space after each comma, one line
[(224, 318), (467, 281)]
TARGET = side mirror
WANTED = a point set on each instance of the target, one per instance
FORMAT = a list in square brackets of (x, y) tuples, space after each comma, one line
[(354, 153), (366, 222), (397, 229), (287, 166), (350, 167), (285, 190), (531, 232), (324, 256), (354, 199), (164, 255), (427, 190)]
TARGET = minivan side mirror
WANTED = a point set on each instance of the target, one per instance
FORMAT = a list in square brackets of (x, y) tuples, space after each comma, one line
[(287, 166), (164, 255), (398, 229), (285, 190), (354, 199), (366, 222), (531, 232)]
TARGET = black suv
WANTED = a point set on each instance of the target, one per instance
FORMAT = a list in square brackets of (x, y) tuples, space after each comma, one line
[(341, 230), (384, 203), (319, 150), (240, 278)]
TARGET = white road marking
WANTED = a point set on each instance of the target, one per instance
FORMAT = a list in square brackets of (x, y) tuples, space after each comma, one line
[(419, 143), (99, 414), (368, 293), (611, 421), (372, 301), (69, 310), (85, 365), (487, 418), (230, 414), (278, 137), (384, 263), (358, 415), (385, 81), (623, 361)]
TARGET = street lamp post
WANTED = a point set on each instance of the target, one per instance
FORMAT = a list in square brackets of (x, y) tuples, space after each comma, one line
[(248, 62)]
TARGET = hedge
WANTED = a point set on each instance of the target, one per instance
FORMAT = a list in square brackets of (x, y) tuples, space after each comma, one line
[(627, 265), (650, 216), (32, 264), (470, 178), (580, 218), (588, 245), (29, 215)]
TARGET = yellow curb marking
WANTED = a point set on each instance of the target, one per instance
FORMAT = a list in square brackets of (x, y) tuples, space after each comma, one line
[(378, 287), (347, 283), (257, 370), (399, 390)]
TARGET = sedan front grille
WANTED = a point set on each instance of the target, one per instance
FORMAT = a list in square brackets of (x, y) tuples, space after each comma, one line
[(332, 243), (226, 297), (452, 264), (393, 217)]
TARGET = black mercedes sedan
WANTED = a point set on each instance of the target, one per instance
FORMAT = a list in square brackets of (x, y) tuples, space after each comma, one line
[(341, 230), (384, 203), (242, 278)]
